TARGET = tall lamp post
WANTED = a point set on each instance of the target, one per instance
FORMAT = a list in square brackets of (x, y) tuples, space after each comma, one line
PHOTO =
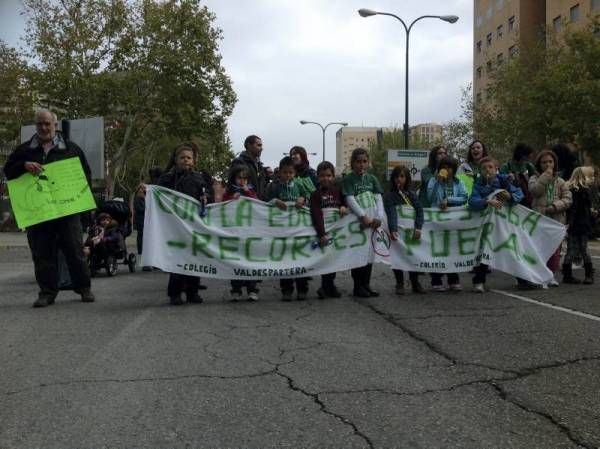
[(367, 13), (323, 128)]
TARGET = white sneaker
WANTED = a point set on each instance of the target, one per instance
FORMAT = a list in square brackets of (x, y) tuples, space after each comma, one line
[(252, 296), (235, 296), (545, 286), (553, 283), (479, 288)]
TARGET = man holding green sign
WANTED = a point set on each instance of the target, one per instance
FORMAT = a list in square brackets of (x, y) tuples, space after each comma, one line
[(49, 185)]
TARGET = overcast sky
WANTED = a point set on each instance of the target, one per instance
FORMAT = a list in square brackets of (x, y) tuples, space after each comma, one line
[(319, 60)]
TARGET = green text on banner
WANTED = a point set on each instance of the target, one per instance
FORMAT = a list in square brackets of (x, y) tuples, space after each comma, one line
[(249, 239)]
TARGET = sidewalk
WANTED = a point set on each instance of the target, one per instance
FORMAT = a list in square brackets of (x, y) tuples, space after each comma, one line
[(11, 240)]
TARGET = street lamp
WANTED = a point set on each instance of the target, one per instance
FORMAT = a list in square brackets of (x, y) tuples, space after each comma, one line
[(368, 13), (323, 128)]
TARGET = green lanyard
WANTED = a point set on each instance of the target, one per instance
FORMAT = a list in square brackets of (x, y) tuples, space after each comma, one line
[(404, 198), (550, 193)]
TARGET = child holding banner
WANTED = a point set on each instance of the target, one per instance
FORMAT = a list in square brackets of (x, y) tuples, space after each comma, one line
[(551, 197), (580, 218), (435, 155), (278, 193), (237, 186), (183, 178), (327, 195), (401, 195), (356, 183), (445, 190), (491, 189)]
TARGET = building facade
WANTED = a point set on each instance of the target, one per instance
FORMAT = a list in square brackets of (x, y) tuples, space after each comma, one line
[(350, 137), (502, 27), (347, 139), (426, 133)]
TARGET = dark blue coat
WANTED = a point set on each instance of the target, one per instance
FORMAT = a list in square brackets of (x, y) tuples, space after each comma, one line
[(482, 190)]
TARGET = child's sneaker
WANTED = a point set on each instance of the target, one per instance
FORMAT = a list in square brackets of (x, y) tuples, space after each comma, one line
[(479, 288), (439, 288), (252, 296), (553, 283), (235, 295), (455, 287)]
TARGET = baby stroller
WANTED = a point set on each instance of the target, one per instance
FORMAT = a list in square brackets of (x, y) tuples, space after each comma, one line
[(115, 252)]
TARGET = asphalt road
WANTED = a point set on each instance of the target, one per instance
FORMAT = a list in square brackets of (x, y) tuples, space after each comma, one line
[(433, 371)]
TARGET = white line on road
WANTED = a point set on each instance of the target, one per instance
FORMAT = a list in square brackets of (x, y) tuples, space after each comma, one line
[(550, 306)]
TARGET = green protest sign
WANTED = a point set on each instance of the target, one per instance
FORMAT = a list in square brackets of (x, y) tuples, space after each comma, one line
[(60, 190), (467, 181)]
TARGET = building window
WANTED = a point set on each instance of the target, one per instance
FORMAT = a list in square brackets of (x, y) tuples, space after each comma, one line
[(556, 24), (488, 13), (595, 5), (574, 13), (499, 4), (499, 59), (511, 24), (478, 22), (479, 47), (489, 39), (478, 73), (489, 66), (500, 31), (513, 51)]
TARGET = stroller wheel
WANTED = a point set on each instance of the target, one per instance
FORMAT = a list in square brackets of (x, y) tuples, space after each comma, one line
[(111, 266), (131, 261)]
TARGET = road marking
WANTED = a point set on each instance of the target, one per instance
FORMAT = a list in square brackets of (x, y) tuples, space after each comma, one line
[(550, 306)]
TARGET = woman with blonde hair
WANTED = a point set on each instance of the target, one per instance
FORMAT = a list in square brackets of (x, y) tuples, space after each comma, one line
[(580, 225)]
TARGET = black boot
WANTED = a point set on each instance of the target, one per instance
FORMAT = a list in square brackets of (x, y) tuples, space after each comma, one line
[(589, 273), (568, 278)]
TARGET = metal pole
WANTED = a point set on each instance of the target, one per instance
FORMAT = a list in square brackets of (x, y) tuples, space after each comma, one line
[(324, 142), (406, 95)]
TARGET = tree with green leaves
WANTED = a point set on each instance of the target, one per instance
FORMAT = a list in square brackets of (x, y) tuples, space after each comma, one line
[(458, 133), (151, 69), (550, 92), (16, 97)]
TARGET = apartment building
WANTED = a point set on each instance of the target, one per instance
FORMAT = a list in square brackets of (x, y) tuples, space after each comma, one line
[(502, 27), (426, 133), (574, 12), (347, 139), (350, 137)]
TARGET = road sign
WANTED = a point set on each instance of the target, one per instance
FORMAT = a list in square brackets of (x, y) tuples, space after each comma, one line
[(414, 159)]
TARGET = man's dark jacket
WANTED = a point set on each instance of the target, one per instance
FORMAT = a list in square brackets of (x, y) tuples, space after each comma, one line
[(32, 151)]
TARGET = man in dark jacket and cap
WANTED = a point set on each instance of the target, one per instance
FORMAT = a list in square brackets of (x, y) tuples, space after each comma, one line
[(251, 159), (65, 233)]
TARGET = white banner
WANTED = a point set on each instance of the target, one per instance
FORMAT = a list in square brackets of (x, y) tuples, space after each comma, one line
[(249, 239), (246, 239), (513, 239)]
